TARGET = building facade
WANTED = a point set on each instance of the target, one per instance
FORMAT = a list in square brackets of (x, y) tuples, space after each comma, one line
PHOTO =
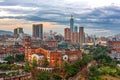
[(38, 31), (54, 57), (17, 32), (67, 35), (114, 47), (81, 36), (75, 37)]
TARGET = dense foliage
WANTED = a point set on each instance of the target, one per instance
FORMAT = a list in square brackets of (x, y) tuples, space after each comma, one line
[(9, 67), (72, 68), (19, 57), (9, 74), (16, 58), (44, 76), (27, 67), (48, 76), (10, 59), (106, 65)]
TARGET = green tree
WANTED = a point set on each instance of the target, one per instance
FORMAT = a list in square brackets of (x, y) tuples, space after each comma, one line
[(56, 77), (92, 68), (34, 63), (14, 67), (43, 76), (10, 59), (19, 57), (4, 67), (27, 66), (45, 62), (70, 69)]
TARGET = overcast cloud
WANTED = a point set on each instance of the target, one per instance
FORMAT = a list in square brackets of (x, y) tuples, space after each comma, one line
[(98, 17)]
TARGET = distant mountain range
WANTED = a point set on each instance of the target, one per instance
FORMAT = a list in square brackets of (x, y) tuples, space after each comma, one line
[(2, 32)]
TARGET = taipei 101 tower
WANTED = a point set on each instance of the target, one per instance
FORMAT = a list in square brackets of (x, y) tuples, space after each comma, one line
[(71, 27)]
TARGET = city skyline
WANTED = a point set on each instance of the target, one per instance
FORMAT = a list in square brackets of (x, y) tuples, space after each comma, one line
[(98, 17)]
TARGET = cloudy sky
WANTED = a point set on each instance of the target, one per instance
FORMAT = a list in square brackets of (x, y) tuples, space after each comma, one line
[(100, 17)]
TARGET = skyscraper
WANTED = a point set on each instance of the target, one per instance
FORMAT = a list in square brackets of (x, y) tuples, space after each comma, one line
[(71, 27), (75, 37), (71, 24), (81, 36), (17, 32), (38, 31), (76, 29), (67, 34)]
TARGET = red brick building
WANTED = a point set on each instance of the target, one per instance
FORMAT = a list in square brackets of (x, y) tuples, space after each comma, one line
[(54, 57), (53, 44), (67, 34)]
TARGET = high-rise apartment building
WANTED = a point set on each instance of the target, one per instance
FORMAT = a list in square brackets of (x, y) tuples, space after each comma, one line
[(75, 37), (17, 32), (81, 36), (67, 34), (38, 31)]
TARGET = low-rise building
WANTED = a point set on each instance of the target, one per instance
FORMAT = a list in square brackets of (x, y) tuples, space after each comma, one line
[(114, 46), (54, 57)]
